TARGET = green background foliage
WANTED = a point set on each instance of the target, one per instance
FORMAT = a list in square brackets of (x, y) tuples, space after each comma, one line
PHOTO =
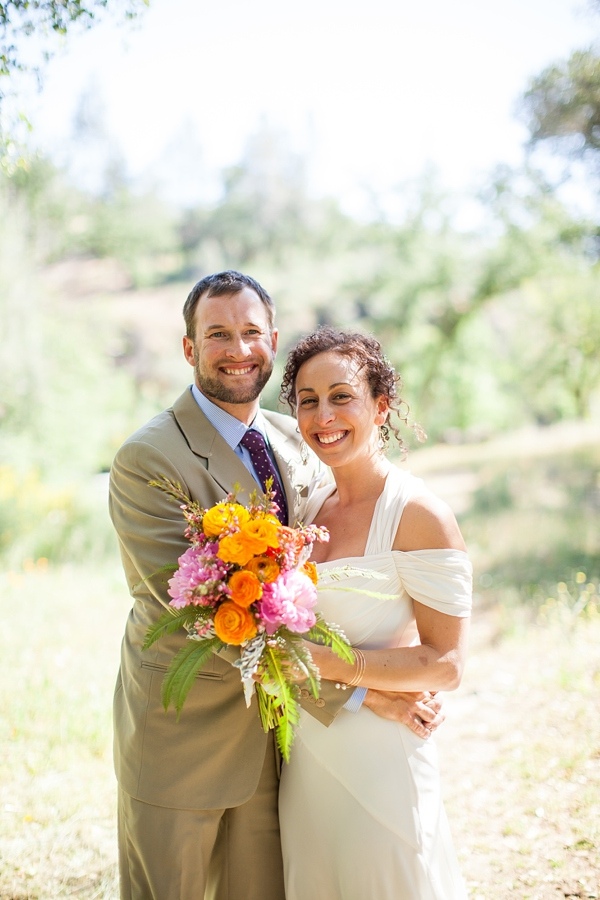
[(494, 327)]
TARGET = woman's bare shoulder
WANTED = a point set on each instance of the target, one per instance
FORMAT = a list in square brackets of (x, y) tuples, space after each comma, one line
[(428, 523)]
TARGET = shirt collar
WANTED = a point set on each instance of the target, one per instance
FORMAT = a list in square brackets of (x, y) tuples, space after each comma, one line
[(230, 428)]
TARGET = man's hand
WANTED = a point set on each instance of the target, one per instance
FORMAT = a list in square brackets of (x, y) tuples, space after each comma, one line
[(421, 712)]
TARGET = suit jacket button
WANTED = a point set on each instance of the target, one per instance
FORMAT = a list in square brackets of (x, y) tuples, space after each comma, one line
[(304, 693), (320, 702)]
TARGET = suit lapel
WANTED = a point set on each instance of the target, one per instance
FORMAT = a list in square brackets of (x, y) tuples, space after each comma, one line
[(215, 454), (223, 465)]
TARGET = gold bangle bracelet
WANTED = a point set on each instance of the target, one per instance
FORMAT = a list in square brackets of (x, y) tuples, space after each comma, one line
[(361, 665)]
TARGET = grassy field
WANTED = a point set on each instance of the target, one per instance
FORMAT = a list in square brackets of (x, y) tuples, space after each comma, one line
[(520, 749), (60, 647)]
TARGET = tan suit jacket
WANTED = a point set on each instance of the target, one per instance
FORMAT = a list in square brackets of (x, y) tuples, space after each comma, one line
[(212, 757)]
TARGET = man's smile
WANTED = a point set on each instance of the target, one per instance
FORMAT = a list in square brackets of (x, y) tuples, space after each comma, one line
[(243, 371)]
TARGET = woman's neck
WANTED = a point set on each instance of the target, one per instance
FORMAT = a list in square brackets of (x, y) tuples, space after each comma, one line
[(357, 483)]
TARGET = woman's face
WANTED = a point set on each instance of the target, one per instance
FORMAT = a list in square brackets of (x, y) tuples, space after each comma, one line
[(337, 416)]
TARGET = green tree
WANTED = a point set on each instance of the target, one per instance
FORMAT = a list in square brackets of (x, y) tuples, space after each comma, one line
[(455, 310), (562, 107), (264, 206), (64, 404), (65, 222), (561, 367), (46, 18)]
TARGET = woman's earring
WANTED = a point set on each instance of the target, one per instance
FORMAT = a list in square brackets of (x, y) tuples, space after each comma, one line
[(303, 452), (384, 438)]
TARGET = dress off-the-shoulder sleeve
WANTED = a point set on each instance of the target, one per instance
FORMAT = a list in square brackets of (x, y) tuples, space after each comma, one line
[(440, 579)]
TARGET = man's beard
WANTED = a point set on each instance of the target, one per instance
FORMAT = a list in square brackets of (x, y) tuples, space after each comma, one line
[(215, 390)]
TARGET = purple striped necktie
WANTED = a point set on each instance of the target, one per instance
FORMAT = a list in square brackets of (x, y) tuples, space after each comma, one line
[(264, 467)]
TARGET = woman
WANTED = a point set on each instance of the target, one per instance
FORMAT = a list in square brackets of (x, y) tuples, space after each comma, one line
[(360, 804)]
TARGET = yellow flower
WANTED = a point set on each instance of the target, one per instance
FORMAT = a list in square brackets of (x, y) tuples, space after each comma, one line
[(264, 568), (218, 518), (310, 569), (234, 624), (245, 587), (268, 517)]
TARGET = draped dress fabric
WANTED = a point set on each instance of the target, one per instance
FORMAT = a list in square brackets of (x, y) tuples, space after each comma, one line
[(360, 803)]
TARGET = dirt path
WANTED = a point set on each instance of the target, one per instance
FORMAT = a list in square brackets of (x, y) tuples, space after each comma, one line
[(520, 755)]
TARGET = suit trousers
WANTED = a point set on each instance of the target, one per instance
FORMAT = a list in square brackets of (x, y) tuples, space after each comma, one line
[(194, 854)]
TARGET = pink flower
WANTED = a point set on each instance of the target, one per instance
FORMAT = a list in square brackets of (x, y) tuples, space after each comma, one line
[(288, 601), (200, 578)]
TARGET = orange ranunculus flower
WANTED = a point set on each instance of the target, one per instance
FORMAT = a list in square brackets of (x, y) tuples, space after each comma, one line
[(234, 624), (262, 533), (235, 548), (309, 568), (245, 587), (219, 517), (251, 540), (264, 568)]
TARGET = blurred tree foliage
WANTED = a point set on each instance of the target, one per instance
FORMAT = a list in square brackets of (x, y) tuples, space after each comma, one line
[(22, 18), (61, 221), (491, 328), (562, 105)]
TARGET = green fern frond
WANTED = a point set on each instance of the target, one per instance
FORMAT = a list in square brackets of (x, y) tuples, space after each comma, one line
[(278, 704), (331, 636), (377, 595), (284, 730), (301, 657), (339, 572), (168, 569), (183, 669), (168, 623), (274, 661)]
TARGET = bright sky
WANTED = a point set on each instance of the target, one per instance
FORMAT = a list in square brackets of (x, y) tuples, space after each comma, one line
[(370, 92)]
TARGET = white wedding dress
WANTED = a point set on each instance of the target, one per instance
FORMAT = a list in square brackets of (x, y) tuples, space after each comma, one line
[(360, 803)]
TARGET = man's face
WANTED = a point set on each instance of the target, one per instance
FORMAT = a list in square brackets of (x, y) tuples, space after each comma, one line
[(233, 349)]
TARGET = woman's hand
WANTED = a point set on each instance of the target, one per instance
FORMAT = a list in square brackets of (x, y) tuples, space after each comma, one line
[(421, 712)]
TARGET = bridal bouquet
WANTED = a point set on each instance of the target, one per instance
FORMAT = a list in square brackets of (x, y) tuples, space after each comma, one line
[(246, 580)]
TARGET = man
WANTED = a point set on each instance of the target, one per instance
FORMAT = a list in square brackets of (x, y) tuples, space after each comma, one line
[(198, 797)]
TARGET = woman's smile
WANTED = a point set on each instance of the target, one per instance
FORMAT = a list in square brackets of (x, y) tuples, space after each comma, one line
[(330, 438)]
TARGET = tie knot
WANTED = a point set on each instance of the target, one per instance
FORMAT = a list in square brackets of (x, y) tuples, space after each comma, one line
[(253, 440)]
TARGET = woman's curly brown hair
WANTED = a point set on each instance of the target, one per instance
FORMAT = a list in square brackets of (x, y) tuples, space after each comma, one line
[(382, 378)]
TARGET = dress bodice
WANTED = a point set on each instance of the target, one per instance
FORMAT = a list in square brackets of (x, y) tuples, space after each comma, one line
[(376, 609)]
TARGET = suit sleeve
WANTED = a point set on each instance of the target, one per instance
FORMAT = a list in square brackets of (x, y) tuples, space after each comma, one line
[(149, 523), (326, 708)]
